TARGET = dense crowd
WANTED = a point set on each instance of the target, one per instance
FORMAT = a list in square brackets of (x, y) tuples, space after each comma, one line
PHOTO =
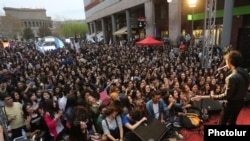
[(102, 92)]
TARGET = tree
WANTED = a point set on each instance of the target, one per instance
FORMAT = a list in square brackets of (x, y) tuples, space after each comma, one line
[(44, 31), (74, 29), (28, 33), (57, 31), (10, 26)]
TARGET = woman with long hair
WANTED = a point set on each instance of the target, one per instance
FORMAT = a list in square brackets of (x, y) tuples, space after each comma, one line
[(70, 104), (16, 97), (35, 124), (79, 124), (146, 93), (52, 116), (33, 100)]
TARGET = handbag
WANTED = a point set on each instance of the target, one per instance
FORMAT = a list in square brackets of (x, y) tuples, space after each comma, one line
[(9, 131)]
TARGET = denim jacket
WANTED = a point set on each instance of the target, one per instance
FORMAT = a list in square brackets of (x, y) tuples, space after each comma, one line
[(150, 109)]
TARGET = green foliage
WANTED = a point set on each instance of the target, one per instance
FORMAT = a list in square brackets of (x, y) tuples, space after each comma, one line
[(28, 34), (44, 31), (74, 29), (57, 26)]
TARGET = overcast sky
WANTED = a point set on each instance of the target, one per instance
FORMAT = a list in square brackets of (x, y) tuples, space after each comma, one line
[(57, 9)]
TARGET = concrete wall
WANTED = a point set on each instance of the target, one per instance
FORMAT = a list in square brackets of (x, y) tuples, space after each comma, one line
[(111, 8)]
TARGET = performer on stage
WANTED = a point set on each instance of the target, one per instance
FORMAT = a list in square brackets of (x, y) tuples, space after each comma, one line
[(236, 89)]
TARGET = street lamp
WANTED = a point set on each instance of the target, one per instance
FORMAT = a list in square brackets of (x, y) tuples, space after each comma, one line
[(192, 4)]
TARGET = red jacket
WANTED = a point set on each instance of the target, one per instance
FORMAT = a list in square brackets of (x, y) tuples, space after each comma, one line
[(51, 123)]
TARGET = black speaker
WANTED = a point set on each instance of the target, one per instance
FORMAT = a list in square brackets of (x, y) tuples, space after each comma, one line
[(209, 104), (152, 130), (243, 45)]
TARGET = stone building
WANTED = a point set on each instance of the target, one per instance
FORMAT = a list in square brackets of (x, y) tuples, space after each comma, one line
[(32, 18)]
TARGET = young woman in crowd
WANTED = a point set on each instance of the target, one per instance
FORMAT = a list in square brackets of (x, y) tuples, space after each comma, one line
[(52, 116), (93, 107), (146, 93), (206, 90), (33, 100), (130, 122), (71, 102), (102, 110), (112, 125), (82, 128), (217, 89), (16, 97), (35, 125)]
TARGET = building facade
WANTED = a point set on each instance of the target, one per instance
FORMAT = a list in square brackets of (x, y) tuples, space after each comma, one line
[(30, 18), (135, 19)]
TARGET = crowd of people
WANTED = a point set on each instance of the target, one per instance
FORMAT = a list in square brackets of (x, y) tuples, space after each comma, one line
[(101, 92)]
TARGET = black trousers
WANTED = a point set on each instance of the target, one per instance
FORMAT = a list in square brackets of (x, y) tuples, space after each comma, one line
[(61, 135), (230, 112), (17, 132)]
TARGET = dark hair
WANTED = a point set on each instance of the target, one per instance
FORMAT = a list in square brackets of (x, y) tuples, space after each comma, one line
[(110, 109), (79, 114), (135, 114), (49, 107), (25, 113), (102, 107), (155, 92), (3, 96), (234, 57), (71, 101)]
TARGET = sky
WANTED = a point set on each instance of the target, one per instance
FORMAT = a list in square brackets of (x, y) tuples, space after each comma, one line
[(56, 9)]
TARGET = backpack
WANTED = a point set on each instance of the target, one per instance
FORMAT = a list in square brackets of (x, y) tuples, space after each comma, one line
[(190, 120)]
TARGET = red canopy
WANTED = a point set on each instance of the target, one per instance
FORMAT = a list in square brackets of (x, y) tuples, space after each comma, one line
[(149, 40)]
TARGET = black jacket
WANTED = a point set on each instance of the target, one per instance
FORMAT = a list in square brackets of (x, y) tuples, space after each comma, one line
[(237, 84)]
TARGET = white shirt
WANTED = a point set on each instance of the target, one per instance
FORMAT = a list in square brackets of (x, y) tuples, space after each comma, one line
[(62, 103), (156, 110)]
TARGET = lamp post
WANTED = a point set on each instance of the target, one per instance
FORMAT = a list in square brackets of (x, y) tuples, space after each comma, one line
[(192, 4)]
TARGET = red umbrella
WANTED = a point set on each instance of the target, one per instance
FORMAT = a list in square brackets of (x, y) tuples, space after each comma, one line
[(149, 40)]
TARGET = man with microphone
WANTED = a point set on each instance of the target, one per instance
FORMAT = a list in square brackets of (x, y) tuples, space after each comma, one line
[(236, 89)]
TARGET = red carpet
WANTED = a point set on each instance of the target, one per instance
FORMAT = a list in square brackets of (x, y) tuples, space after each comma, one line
[(196, 134)]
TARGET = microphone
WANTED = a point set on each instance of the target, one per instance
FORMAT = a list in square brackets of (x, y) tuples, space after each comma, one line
[(217, 70), (220, 68)]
